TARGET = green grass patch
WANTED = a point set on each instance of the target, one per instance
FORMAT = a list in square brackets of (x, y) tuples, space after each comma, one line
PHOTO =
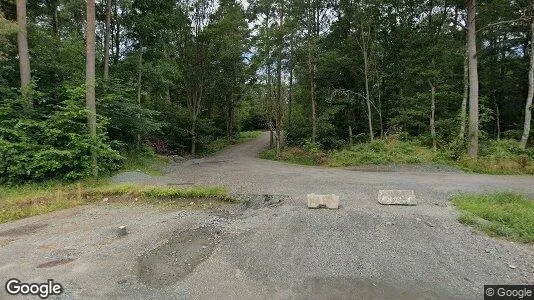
[(296, 155), (224, 142), (507, 215), (496, 157), (383, 152), (145, 161), (30, 200)]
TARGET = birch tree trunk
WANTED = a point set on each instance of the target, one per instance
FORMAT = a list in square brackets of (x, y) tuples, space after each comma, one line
[(139, 85), (463, 109), (90, 79), (528, 106), (106, 40), (473, 79), (312, 65), (433, 114), (279, 85), (24, 56)]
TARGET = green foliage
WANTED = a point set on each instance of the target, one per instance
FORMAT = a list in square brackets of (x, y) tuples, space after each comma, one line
[(36, 148), (144, 160), (501, 214), (386, 151), (497, 157)]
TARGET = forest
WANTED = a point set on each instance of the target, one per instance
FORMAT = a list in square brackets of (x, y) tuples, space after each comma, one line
[(84, 83)]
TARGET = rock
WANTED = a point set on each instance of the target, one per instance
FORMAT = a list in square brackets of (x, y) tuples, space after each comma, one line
[(512, 266), (429, 224), (122, 231), (389, 224), (487, 250), (396, 197), (192, 203), (105, 200), (328, 201)]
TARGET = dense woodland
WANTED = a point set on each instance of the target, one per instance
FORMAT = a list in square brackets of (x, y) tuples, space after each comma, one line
[(83, 82)]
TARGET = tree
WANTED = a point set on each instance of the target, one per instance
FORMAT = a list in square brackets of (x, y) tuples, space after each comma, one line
[(473, 78), (24, 56), (90, 79), (107, 37), (528, 105)]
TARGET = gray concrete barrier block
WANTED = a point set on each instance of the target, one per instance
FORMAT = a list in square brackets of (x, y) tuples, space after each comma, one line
[(328, 201), (396, 197)]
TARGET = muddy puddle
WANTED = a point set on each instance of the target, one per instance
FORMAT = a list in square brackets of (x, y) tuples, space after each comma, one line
[(177, 257)]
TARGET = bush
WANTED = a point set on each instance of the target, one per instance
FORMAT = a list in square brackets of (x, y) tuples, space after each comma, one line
[(37, 148)]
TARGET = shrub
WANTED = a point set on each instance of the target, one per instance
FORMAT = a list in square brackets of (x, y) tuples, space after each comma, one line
[(37, 148)]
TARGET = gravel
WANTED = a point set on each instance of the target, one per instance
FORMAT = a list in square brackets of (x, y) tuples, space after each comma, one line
[(275, 247)]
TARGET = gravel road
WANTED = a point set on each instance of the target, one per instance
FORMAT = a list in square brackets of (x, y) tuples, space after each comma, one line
[(282, 250)]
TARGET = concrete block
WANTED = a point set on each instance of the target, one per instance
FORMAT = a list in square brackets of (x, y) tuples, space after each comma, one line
[(396, 197), (328, 201)]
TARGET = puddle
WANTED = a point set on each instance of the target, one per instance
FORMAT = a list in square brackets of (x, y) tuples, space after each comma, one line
[(176, 258), (56, 262), (23, 230)]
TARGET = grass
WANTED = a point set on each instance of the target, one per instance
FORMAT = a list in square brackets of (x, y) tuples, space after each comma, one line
[(145, 161), (221, 143), (383, 152), (496, 157), (30, 200), (506, 215)]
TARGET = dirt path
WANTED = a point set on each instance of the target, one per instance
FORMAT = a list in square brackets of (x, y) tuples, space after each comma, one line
[(362, 250)]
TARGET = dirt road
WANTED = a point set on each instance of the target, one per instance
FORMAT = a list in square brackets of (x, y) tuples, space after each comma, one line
[(282, 250)]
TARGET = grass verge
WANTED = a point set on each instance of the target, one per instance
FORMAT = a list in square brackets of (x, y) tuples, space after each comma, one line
[(506, 215), (145, 161), (30, 200), (497, 157)]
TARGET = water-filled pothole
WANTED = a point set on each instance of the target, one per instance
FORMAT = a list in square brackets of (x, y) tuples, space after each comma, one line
[(177, 257)]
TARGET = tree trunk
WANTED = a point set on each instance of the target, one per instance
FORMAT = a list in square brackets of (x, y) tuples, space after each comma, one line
[(90, 79), (350, 135), (279, 86), (117, 32), (367, 96), (379, 93), (312, 29), (194, 136), (290, 93), (528, 106), (24, 56), (463, 109), (433, 114), (473, 79), (497, 117), (139, 85), (106, 40)]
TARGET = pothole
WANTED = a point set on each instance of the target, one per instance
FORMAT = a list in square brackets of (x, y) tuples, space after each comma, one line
[(177, 257), (253, 201)]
